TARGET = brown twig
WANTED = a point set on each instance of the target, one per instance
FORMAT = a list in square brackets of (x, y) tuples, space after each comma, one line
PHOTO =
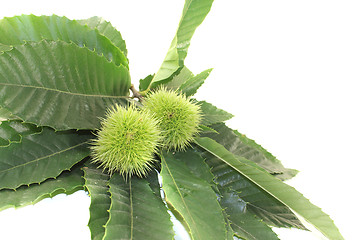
[(136, 93)]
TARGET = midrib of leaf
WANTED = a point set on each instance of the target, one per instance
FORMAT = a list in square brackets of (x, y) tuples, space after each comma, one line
[(253, 237), (44, 157), (131, 212), (264, 210), (186, 8), (60, 91), (205, 142), (181, 196)]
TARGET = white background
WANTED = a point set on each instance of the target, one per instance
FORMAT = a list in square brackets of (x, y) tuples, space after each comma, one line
[(288, 70)]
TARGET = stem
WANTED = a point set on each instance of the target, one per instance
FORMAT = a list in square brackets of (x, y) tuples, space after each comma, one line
[(136, 93)]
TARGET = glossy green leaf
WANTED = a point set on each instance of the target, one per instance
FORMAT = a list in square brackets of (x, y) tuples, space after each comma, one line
[(136, 212), (97, 184), (212, 114), (275, 188), (190, 87), (267, 208), (192, 197), (196, 165), (200, 169), (13, 131), (16, 30), (243, 221), (41, 156), (242, 146), (106, 28), (193, 14), (67, 182), (70, 89)]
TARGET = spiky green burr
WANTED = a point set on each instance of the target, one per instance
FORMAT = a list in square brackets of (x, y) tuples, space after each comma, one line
[(178, 116), (127, 141)]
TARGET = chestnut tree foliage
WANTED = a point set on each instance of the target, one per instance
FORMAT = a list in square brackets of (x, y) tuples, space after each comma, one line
[(58, 77)]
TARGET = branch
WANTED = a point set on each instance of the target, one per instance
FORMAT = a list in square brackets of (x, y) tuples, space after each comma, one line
[(136, 93)]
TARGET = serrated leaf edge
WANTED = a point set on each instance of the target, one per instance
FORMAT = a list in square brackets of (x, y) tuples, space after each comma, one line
[(73, 21)]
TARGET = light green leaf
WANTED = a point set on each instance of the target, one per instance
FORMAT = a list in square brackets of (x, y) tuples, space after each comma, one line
[(70, 89), (190, 87), (106, 29), (181, 76), (193, 14), (136, 212), (212, 114), (6, 115), (242, 146), (67, 182), (13, 131), (41, 156), (275, 188), (144, 83), (4, 48), (192, 197), (243, 221), (97, 184), (16, 30)]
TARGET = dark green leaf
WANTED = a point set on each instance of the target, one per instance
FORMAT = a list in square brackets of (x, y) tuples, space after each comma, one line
[(200, 169), (193, 14), (212, 114), (67, 182), (243, 221), (196, 165), (153, 180), (272, 211), (205, 129), (274, 188), (267, 208), (13, 131), (106, 29), (190, 87), (192, 197), (60, 85), (41, 156), (135, 212), (242, 146), (16, 30), (97, 183)]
